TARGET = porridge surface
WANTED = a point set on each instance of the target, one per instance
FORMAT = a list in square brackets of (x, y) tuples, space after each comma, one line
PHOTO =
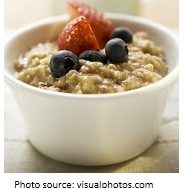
[(146, 65)]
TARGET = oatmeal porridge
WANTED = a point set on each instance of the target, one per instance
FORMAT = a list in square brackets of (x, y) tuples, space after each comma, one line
[(145, 65)]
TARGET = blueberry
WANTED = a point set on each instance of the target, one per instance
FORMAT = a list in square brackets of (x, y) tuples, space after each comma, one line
[(123, 33), (116, 51), (92, 55), (62, 62)]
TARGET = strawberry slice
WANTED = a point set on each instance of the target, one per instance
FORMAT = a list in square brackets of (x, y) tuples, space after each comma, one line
[(102, 27), (77, 36)]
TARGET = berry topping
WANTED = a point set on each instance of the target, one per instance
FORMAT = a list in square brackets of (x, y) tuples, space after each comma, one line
[(123, 33), (116, 51), (92, 55), (77, 36), (62, 62), (101, 26)]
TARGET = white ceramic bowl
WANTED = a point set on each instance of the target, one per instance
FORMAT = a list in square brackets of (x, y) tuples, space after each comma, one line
[(96, 129)]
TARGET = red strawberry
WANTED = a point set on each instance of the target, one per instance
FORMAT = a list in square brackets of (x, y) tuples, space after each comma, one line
[(77, 36), (101, 26)]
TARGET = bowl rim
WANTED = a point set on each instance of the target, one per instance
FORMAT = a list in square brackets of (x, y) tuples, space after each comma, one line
[(169, 79)]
